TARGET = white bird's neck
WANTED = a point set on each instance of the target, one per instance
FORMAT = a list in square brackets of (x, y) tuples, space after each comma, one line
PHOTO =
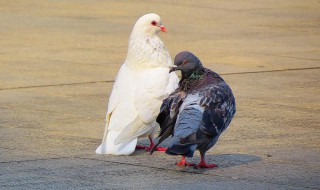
[(147, 51)]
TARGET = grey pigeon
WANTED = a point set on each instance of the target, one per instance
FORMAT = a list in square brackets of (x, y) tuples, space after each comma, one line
[(197, 112)]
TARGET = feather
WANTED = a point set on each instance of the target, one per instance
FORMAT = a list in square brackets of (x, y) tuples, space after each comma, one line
[(135, 129)]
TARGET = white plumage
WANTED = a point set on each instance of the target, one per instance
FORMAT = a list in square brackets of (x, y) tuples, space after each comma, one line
[(143, 81)]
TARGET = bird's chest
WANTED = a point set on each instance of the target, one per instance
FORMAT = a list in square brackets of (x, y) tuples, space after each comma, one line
[(190, 85)]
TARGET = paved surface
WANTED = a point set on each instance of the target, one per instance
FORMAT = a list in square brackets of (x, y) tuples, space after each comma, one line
[(58, 60)]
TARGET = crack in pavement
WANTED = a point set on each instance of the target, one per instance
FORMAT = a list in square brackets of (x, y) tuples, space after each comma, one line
[(51, 85), (111, 81), (286, 56)]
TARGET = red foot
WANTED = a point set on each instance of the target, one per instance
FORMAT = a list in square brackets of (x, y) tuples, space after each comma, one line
[(183, 162), (148, 148), (161, 149), (203, 163), (141, 147)]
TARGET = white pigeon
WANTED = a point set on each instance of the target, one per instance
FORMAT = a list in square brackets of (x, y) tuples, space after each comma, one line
[(143, 81)]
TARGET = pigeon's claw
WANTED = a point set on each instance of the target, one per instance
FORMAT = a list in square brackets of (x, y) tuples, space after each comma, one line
[(140, 147), (183, 162), (203, 163), (149, 148), (161, 149)]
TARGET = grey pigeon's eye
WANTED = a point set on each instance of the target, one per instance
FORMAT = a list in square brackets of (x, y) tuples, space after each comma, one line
[(185, 62), (154, 23)]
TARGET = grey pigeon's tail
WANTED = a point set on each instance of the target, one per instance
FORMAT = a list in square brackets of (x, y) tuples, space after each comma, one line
[(187, 124), (180, 149)]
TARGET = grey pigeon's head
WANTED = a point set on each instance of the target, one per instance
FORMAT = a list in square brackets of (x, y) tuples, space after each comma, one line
[(187, 63)]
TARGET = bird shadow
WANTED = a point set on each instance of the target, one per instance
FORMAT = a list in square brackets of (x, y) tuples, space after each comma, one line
[(223, 161), (230, 160)]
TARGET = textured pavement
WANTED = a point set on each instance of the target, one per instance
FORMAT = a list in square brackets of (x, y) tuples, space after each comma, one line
[(58, 60)]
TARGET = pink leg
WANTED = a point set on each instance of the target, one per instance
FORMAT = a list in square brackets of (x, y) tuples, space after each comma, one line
[(183, 162), (141, 147), (203, 163), (151, 146)]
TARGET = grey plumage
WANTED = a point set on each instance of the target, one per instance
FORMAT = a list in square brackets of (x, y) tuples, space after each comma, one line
[(198, 111)]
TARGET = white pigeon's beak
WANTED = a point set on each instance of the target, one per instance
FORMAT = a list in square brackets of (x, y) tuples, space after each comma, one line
[(163, 29)]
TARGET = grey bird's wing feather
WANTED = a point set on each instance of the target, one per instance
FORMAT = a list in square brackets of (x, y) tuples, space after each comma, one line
[(219, 108), (168, 115), (188, 122)]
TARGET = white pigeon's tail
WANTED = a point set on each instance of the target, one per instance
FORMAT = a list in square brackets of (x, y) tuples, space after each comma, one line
[(134, 130), (108, 146)]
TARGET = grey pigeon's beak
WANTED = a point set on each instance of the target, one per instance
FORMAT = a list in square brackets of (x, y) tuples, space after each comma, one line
[(173, 68)]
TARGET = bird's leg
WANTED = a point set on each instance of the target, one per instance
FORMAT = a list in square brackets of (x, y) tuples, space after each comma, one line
[(151, 146), (203, 163), (183, 162), (141, 147), (146, 147)]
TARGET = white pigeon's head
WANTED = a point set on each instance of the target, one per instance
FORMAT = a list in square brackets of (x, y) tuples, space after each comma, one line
[(149, 24)]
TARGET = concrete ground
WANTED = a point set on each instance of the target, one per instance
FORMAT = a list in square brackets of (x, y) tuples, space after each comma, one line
[(58, 60)]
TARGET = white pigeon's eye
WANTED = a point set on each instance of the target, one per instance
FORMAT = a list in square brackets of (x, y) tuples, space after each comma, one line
[(154, 23)]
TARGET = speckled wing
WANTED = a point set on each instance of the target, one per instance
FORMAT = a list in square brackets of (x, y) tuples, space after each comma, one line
[(219, 108), (168, 115)]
